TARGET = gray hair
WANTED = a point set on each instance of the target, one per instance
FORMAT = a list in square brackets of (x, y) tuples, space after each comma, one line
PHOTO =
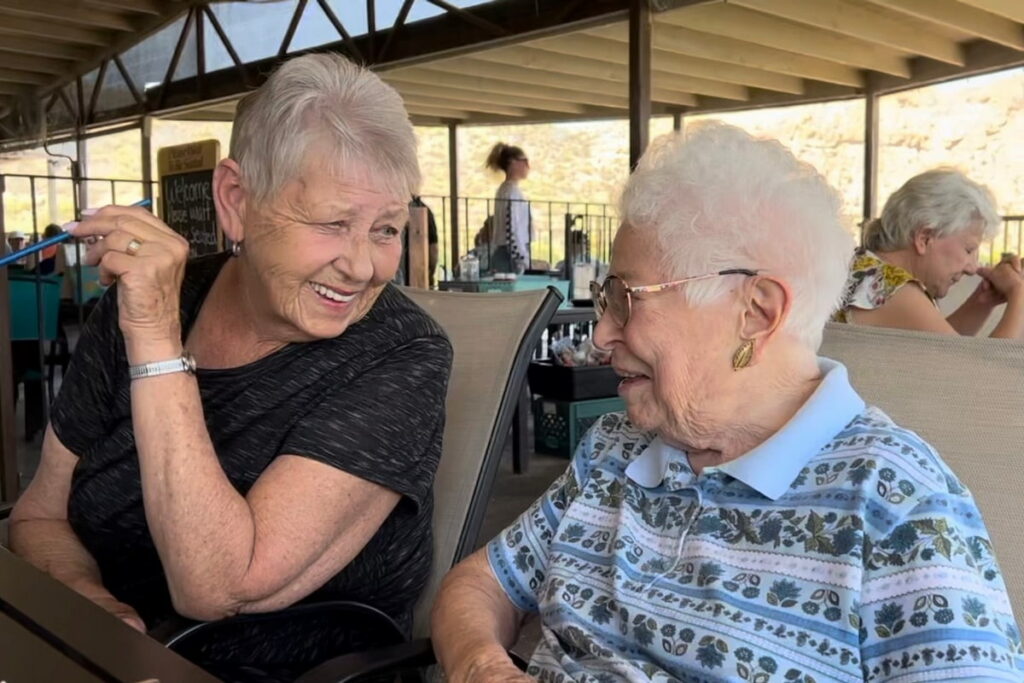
[(324, 99), (717, 198), (943, 199)]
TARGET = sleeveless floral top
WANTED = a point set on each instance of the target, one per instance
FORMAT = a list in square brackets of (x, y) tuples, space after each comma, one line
[(871, 282)]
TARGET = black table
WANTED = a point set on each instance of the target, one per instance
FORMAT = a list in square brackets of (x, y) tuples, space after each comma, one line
[(572, 315), (48, 633)]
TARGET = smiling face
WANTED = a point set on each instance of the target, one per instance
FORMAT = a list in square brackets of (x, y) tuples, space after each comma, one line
[(323, 249), (675, 358), (942, 261)]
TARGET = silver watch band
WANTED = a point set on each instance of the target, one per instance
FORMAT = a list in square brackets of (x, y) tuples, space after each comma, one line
[(183, 363)]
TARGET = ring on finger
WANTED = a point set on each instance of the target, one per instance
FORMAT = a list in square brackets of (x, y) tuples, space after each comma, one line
[(133, 247)]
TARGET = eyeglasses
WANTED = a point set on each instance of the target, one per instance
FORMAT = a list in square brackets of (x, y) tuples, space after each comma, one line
[(616, 297)]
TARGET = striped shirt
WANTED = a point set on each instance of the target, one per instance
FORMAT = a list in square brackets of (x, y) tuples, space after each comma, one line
[(840, 549)]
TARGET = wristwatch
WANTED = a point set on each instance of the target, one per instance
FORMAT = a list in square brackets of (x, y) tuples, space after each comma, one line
[(183, 363)]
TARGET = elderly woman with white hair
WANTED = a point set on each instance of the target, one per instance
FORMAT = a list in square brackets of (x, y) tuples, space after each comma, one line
[(749, 517), (928, 238), (260, 427)]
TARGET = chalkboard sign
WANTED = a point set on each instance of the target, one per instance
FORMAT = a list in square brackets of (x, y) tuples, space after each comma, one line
[(186, 193)]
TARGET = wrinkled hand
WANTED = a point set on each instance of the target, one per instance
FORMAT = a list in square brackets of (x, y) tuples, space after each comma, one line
[(122, 611), (1005, 278), (149, 277), (492, 670)]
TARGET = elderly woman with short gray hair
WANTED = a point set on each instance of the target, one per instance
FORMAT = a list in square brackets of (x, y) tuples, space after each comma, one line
[(928, 238), (244, 431), (748, 517)]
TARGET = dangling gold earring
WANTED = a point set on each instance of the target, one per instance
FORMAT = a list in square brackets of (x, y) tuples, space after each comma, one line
[(744, 354)]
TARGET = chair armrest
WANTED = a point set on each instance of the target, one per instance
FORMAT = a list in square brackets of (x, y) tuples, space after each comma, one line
[(5, 510), (395, 658)]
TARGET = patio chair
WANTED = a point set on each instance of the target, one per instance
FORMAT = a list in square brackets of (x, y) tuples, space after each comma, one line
[(964, 395), (493, 337)]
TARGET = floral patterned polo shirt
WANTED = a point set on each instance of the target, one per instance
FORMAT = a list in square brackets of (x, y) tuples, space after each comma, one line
[(871, 283), (840, 549)]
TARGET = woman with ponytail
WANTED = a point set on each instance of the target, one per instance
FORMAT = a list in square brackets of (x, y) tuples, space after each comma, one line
[(926, 240), (510, 241)]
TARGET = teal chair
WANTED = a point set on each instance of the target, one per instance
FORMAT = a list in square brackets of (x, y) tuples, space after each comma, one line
[(25, 339), (25, 309)]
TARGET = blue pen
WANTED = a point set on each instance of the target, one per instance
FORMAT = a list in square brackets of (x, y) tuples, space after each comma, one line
[(39, 246)]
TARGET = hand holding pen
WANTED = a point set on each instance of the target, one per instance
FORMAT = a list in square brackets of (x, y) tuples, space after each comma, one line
[(57, 239)]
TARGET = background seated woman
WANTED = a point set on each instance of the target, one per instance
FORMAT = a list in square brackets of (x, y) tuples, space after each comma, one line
[(926, 240), (296, 463), (748, 518)]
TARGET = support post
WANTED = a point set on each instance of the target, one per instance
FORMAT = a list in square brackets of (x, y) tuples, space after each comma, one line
[(870, 159), (639, 78), (146, 147), (453, 185), (8, 440), (677, 121)]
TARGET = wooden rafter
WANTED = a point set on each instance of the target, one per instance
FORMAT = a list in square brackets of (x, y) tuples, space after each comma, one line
[(683, 64), (536, 96), (52, 31), (440, 112), (19, 76), (1010, 9), (478, 104), (44, 65), (42, 48), (152, 7), (66, 12), (864, 22), (737, 23), (972, 20)]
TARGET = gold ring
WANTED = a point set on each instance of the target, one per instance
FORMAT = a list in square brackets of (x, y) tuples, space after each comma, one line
[(133, 247)]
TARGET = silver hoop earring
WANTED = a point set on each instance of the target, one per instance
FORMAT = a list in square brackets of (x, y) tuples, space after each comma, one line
[(236, 249)]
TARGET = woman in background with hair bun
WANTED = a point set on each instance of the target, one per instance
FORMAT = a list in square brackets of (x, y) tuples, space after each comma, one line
[(510, 242)]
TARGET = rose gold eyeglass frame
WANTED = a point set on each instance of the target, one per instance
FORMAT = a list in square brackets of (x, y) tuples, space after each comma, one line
[(597, 290)]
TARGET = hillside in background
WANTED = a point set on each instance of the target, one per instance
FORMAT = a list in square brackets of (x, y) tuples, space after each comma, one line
[(974, 124)]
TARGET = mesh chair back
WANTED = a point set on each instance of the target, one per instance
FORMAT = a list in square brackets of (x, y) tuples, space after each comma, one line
[(493, 337), (964, 396), (24, 306)]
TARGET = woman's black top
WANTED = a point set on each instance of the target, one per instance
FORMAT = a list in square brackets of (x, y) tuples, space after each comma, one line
[(369, 402)]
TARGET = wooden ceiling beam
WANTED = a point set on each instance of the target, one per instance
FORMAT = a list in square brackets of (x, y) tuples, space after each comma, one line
[(19, 76), (1010, 9), (505, 78), (864, 22), (504, 96), (42, 48), (153, 7), (615, 53), (44, 65), (440, 112), (678, 40), (16, 89), (480, 104), (985, 25), (66, 12), (48, 30), (737, 23), (703, 68), (565, 104), (529, 57)]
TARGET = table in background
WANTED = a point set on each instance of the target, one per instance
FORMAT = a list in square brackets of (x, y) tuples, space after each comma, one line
[(48, 632)]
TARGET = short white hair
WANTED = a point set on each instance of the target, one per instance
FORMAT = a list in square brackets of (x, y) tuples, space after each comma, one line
[(717, 198), (327, 101), (943, 200)]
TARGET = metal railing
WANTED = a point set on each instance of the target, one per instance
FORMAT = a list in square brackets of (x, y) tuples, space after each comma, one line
[(1007, 240), (551, 221)]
